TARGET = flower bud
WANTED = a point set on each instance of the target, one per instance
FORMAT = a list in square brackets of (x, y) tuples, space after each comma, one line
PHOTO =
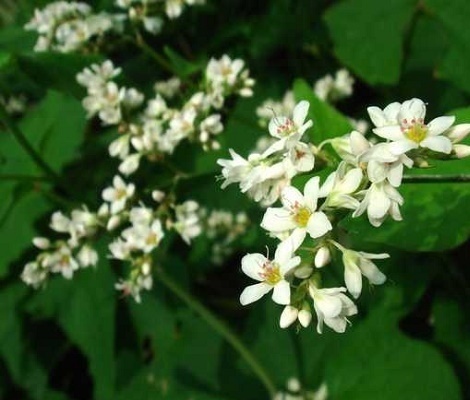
[(41, 243), (288, 316), (158, 195), (305, 317), (458, 132), (113, 222), (461, 150), (322, 257)]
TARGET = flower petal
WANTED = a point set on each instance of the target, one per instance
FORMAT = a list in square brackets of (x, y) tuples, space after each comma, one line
[(440, 144), (274, 125), (402, 146), (318, 224), (350, 182), (371, 272), (291, 198), (281, 293), (277, 219), (395, 174), (390, 132), (254, 292), (300, 113), (328, 185), (311, 191), (330, 306), (377, 116), (353, 279), (252, 265), (412, 109), (439, 125)]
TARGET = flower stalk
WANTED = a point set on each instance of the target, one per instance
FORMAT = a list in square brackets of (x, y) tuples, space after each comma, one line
[(221, 328)]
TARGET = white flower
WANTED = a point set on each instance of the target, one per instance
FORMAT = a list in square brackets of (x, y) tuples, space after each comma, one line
[(87, 256), (143, 236), (358, 263), (59, 222), (410, 132), (118, 194), (61, 261), (224, 71), (380, 199), (188, 223), (301, 158), (332, 307), (298, 213), (120, 147), (130, 164), (339, 186), (168, 88), (329, 89), (271, 108), (33, 274), (383, 164), (270, 274), (291, 130)]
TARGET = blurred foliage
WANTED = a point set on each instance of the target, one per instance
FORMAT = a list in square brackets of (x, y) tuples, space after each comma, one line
[(78, 340)]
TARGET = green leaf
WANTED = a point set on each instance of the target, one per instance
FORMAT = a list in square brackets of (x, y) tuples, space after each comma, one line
[(17, 225), (57, 139), (22, 363), (327, 121), (85, 310), (374, 360), (453, 16), (434, 219), (368, 36), (56, 70), (181, 66)]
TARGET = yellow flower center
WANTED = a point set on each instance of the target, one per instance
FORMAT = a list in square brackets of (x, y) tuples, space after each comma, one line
[(152, 239), (417, 132), (271, 273), (302, 216)]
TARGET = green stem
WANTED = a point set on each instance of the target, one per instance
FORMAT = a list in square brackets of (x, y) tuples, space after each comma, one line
[(23, 142), (140, 42), (458, 178), (20, 177), (221, 328)]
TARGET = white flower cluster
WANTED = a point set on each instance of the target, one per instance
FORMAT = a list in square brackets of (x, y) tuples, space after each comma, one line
[(105, 98), (150, 12), (67, 26), (333, 89), (223, 228), (366, 180), (270, 108), (295, 392), (64, 256), (136, 228), (158, 129), (264, 175), (327, 89)]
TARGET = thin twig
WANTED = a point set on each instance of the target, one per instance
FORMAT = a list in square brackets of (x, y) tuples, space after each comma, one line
[(457, 178), (221, 328)]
